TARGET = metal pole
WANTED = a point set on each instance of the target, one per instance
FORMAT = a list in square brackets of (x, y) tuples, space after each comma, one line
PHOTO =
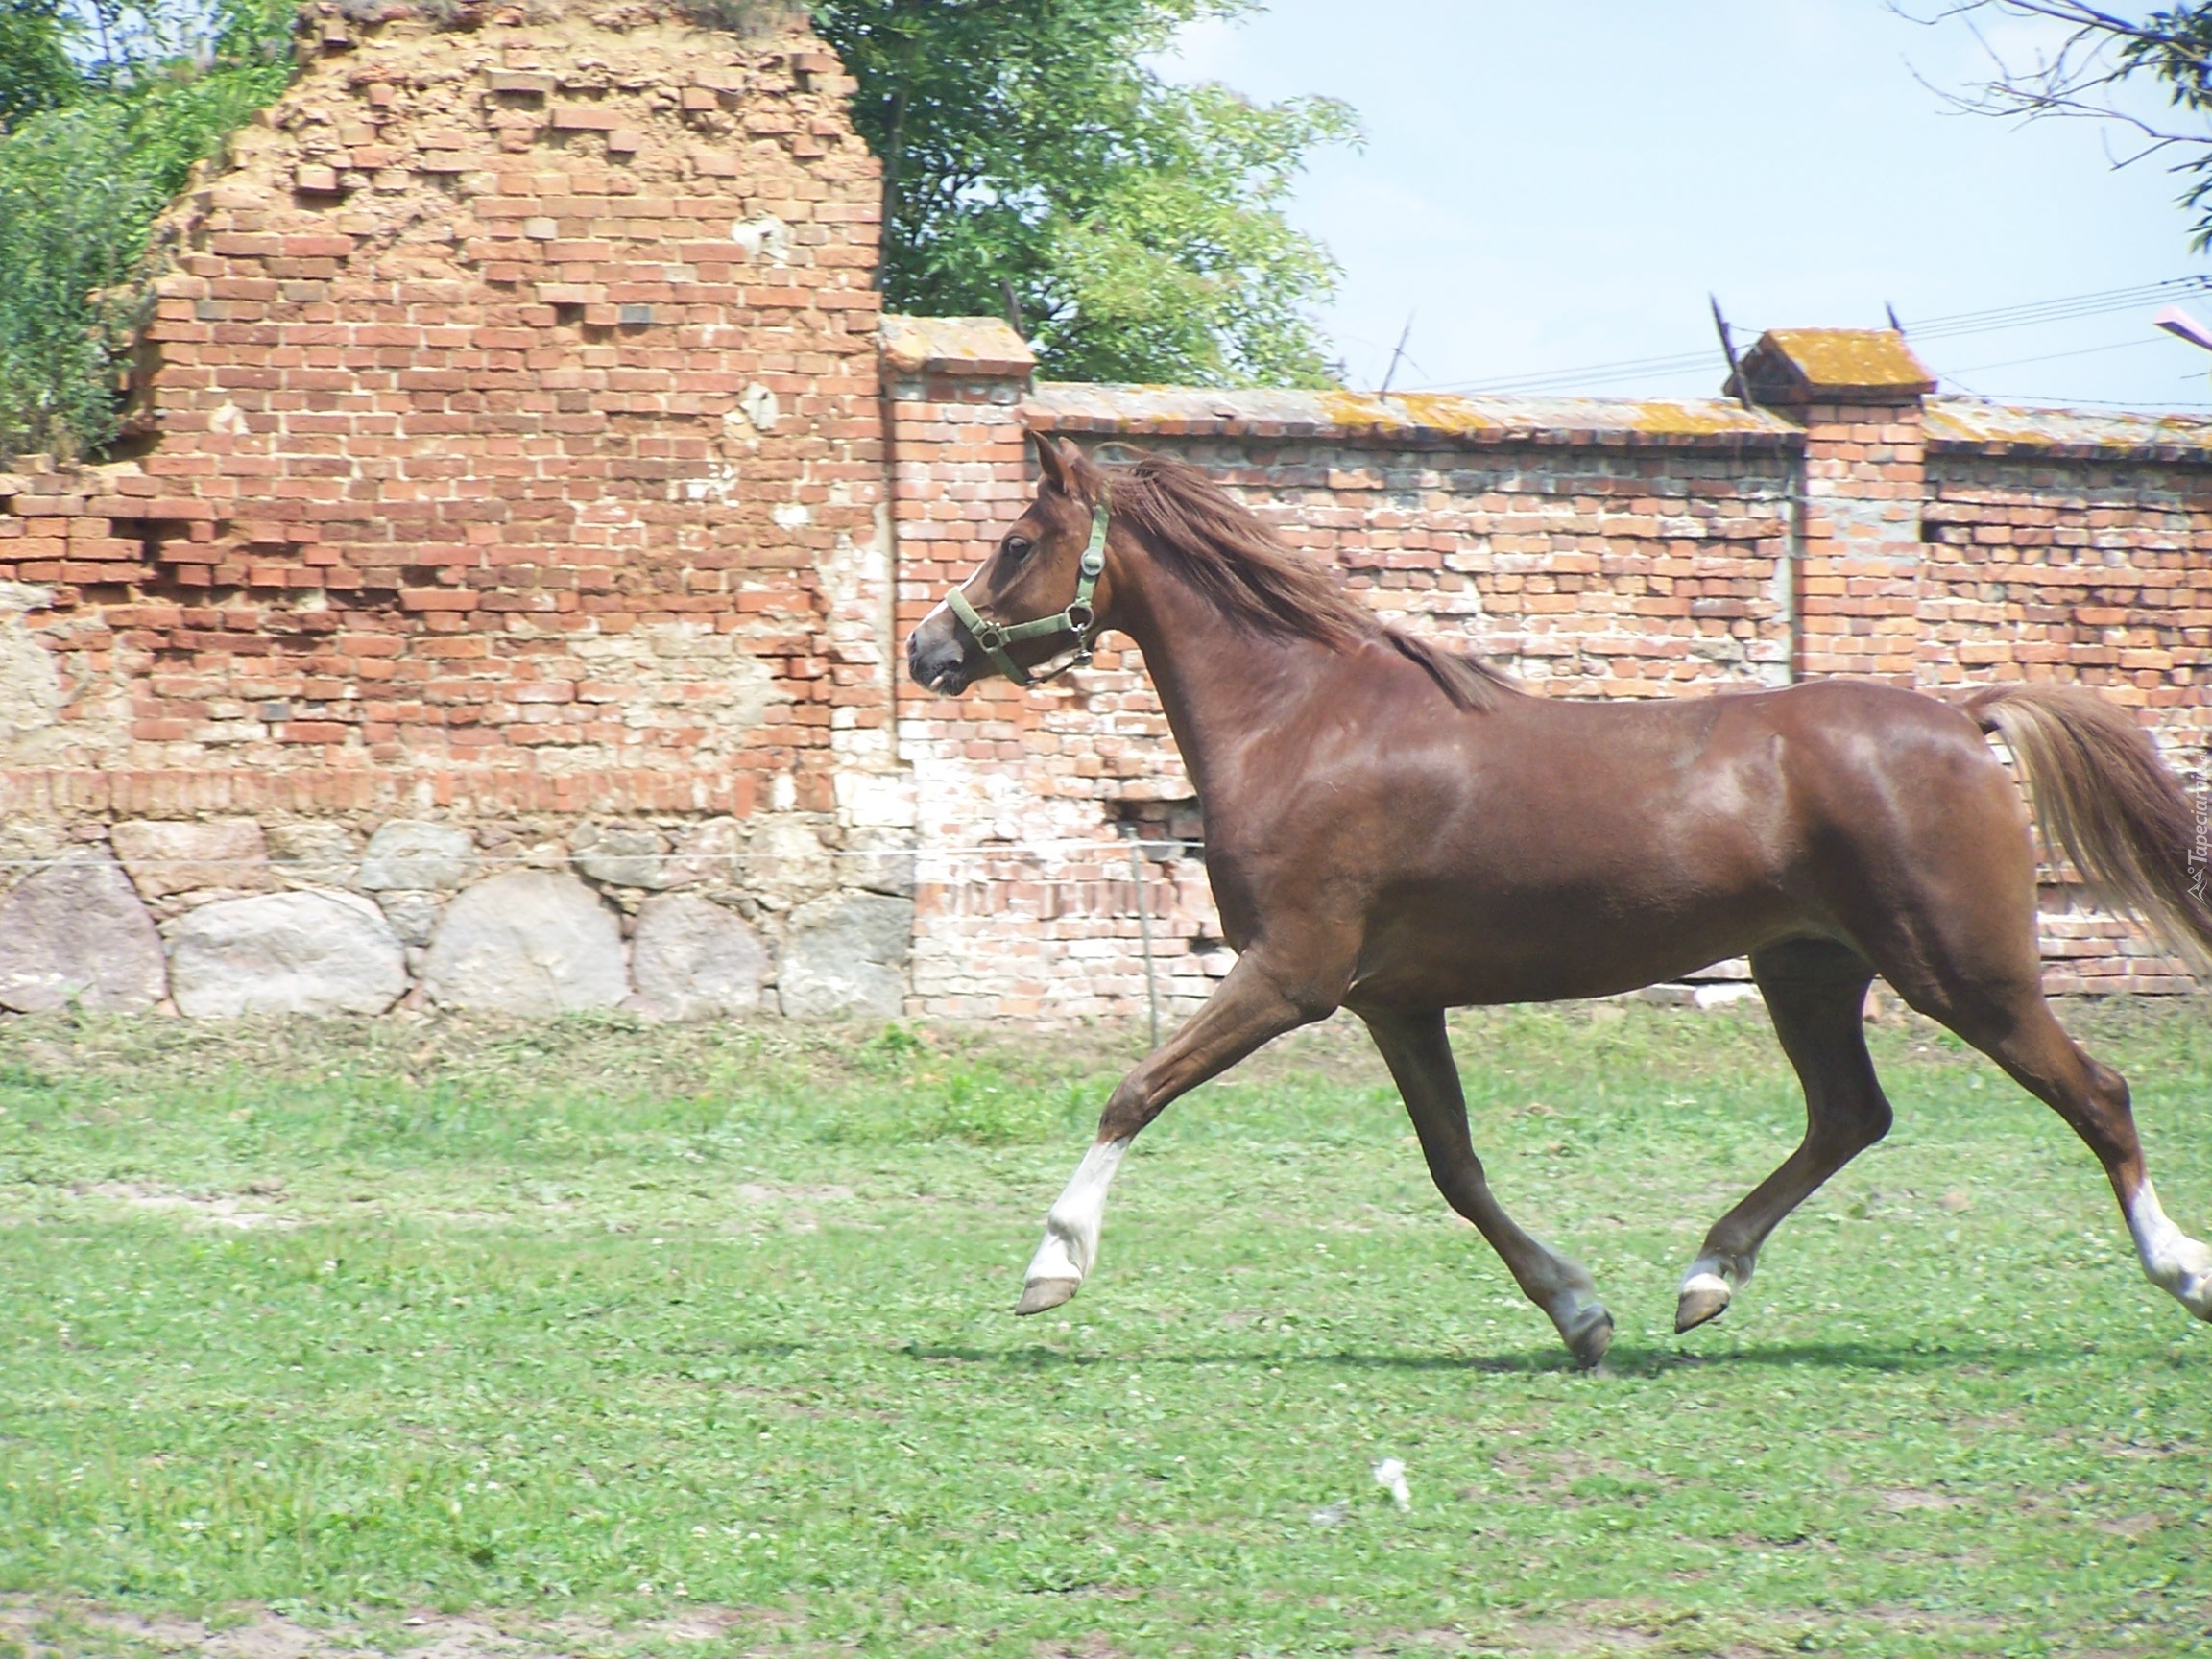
[(1144, 930)]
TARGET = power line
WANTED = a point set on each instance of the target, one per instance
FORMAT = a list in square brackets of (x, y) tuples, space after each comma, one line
[(1956, 324), (2053, 356), (2064, 310)]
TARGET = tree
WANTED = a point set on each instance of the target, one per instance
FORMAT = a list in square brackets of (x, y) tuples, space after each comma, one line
[(92, 149), (2085, 72), (1036, 167), (35, 73)]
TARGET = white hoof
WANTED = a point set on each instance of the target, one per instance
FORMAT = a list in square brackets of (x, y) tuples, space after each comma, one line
[(1704, 1296), (1042, 1296), (1708, 1287)]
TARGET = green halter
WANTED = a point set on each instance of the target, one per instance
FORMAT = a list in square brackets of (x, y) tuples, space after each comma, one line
[(1079, 621)]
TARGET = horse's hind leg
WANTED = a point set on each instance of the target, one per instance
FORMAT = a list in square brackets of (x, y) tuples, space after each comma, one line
[(1419, 1055), (2012, 1025), (1814, 991)]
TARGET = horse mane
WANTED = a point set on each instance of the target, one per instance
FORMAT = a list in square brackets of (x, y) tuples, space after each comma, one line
[(1238, 564)]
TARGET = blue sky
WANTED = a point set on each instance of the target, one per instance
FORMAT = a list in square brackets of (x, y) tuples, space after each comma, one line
[(1547, 187)]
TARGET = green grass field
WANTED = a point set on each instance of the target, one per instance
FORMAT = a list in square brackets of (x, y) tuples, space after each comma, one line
[(591, 1337)]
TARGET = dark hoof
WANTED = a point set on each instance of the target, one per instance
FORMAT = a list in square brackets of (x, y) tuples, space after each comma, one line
[(1593, 1334), (1040, 1295), (1699, 1306)]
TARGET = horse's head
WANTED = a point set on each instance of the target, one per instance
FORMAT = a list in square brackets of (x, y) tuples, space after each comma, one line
[(1039, 597)]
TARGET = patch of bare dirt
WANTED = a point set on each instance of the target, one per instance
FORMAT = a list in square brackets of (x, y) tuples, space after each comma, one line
[(208, 1209), (1903, 1500), (765, 1192), (73, 1630)]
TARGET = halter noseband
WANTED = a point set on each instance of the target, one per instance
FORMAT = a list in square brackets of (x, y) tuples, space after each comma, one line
[(1078, 621)]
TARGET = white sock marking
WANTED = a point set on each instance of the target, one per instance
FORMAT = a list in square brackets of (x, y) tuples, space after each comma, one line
[(1726, 1274), (2171, 1259), (1071, 1226)]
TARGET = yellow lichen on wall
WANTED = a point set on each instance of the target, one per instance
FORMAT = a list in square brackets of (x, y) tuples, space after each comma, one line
[(1848, 359)]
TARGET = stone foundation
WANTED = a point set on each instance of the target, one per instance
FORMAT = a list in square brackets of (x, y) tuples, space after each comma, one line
[(671, 919)]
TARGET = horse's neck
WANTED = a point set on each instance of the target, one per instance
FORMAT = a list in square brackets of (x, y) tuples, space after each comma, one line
[(1221, 686)]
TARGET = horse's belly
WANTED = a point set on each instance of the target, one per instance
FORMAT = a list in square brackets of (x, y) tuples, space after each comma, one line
[(1448, 950)]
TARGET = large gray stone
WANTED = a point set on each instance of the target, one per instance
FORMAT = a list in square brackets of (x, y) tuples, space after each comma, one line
[(692, 959), (302, 953), (621, 854), (77, 931), (845, 957), (409, 854), (533, 942)]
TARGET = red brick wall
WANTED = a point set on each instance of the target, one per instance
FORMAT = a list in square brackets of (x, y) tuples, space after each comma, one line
[(517, 442), (1596, 548)]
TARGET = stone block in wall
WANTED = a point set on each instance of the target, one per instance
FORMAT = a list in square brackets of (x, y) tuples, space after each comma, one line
[(879, 862), (787, 864), (77, 931), (27, 848), (693, 959), (31, 695), (620, 854), (531, 942), (845, 957), (301, 952), (314, 854), (412, 915), (710, 855), (228, 857), (425, 857)]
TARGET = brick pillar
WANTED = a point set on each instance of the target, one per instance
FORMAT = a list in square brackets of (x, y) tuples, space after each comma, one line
[(953, 389), (1858, 396)]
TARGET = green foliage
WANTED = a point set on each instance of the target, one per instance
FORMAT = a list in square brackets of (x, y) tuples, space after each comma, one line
[(2176, 47), (2085, 68), (90, 152), (1032, 159), (35, 69)]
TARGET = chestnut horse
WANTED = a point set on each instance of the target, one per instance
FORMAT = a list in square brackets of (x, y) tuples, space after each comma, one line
[(1393, 829)]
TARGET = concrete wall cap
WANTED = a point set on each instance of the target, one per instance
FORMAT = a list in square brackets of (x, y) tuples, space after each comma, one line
[(1974, 425), (1183, 411), (1796, 364), (979, 345)]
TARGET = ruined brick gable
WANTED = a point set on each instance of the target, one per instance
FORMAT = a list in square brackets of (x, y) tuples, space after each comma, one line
[(514, 407)]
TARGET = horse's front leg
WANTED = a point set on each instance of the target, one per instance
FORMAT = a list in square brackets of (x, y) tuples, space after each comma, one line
[(1252, 1006)]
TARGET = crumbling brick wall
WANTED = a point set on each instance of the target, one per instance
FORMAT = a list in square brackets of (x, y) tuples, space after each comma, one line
[(512, 457)]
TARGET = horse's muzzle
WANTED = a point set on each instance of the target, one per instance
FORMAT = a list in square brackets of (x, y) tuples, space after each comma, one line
[(940, 655)]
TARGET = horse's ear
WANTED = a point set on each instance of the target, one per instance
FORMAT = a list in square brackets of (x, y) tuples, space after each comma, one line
[(1084, 480), (1051, 463)]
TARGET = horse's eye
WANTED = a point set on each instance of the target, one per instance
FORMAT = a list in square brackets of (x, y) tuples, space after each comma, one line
[(1018, 547)]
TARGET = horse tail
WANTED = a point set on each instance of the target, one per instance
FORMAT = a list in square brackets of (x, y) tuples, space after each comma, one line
[(2104, 798)]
